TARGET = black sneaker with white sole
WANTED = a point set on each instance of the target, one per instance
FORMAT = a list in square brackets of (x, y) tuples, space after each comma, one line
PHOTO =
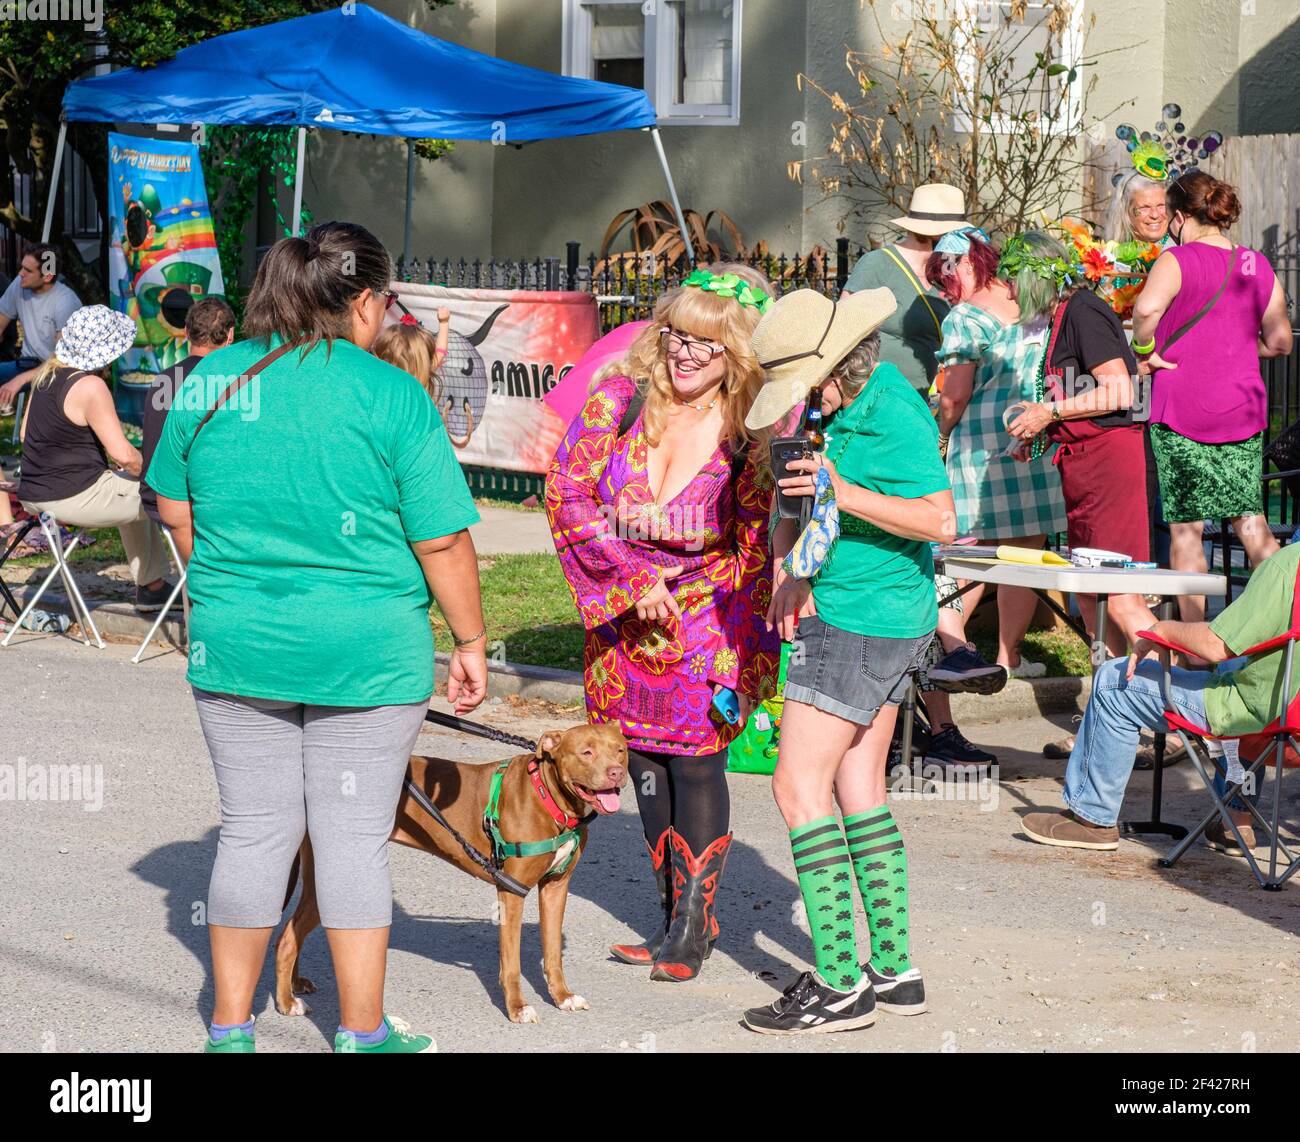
[(950, 747), (898, 994), (809, 1007), (965, 671)]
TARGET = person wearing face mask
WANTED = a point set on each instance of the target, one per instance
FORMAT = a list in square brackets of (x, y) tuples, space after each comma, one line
[(658, 499), (1211, 309), (990, 359)]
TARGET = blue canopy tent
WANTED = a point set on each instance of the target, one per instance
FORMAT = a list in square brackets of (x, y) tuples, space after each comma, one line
[(355, 69)]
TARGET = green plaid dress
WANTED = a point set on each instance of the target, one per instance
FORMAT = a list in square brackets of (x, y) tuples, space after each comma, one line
[(997, 497)]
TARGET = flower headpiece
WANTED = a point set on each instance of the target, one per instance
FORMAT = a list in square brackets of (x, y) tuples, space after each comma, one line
[(409, 319), (732, 286), (1169, 151), (1017, 256), (958, 241)]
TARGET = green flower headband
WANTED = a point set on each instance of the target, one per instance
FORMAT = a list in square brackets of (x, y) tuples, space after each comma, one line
[(732, 286), (1017, 256)]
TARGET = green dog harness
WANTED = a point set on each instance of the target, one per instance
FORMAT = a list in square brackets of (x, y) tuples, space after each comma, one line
[(570, 827)]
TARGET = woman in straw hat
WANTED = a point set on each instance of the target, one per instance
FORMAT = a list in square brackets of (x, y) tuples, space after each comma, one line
[(910, 336), (658, 499), (77, 463), (865, 619)]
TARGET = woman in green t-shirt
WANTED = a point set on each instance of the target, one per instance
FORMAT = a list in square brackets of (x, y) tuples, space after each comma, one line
[(864, 623), (320, 509)]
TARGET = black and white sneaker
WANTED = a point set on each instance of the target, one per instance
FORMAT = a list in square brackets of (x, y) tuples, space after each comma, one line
[(898, 994), (964, 671), (809, 1007)]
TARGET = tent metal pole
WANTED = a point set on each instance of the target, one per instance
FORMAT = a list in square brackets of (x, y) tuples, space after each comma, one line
[(410, 194), (297, 182), (672, 191), (54, 181)]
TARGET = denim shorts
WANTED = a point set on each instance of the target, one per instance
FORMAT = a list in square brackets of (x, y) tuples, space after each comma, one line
[(851, 675)]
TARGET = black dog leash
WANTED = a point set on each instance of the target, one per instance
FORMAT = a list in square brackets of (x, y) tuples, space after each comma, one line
[(451, 722)]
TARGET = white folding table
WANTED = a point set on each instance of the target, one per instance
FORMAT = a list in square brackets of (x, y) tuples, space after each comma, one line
[(1102, 582)]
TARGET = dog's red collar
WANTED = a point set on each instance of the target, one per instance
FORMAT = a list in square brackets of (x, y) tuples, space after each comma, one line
[(558, 815)]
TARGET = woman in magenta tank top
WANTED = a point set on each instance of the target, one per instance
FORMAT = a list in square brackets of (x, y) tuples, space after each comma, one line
[(1209, 311)]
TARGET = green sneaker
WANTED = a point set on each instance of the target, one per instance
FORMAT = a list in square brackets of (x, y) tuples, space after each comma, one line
[(236, 1043), (400, 1041)]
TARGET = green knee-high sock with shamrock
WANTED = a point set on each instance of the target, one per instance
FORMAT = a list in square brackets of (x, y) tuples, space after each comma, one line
[(821, 861), (880, 864)]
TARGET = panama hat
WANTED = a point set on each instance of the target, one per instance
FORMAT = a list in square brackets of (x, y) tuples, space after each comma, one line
[(95, 336), (803, 337), (935, 209)]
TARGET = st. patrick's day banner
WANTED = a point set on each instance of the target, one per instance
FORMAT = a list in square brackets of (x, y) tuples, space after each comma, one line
[(163, 250)]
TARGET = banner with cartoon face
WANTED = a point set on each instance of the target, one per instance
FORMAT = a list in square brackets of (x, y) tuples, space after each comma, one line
[(162, 247), (507, 350)]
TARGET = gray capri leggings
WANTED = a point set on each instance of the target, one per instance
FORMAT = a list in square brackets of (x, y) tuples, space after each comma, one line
[(284, 768)]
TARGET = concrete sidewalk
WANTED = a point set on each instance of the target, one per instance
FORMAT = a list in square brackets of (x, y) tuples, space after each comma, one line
[(1023, 948), (502, 531)]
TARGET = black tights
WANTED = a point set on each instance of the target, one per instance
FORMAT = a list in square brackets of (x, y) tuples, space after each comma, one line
[(688, 793)]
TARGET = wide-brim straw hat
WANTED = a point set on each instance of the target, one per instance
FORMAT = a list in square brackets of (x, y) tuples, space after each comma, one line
[(935, 209), (803, 337), (94, 336)]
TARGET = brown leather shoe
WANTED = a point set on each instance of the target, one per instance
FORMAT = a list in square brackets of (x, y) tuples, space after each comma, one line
[(1219, 837), (1063, 829)]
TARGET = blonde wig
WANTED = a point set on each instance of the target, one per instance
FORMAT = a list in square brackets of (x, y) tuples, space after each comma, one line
[(698, 313)]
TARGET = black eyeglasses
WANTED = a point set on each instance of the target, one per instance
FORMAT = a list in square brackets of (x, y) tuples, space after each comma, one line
[(701, 352)]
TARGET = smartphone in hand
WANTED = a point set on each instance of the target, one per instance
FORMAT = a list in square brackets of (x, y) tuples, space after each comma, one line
[(784, 452)]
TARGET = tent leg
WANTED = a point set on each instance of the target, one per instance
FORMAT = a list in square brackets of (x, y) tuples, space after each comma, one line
[(297, 182), (672, 191), (54, 181), (410, 194)]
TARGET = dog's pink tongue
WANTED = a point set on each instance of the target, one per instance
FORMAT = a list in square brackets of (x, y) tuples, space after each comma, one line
[(607, 799)]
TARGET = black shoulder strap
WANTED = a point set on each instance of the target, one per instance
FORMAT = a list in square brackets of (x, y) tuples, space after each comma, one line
[(1187, 326), (239, 382), (630, 413)]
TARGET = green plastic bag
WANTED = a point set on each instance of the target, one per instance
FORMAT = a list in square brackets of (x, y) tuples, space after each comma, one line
[(754, 751)]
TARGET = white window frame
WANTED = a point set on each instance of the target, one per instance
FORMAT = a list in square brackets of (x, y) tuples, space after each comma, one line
[(1071, 48), (660, 60)]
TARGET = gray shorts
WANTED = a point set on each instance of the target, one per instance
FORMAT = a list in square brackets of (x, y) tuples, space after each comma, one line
[(851, 675)]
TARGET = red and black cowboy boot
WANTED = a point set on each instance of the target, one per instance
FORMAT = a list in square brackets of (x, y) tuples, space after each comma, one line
[(645, 953), (694, 926)]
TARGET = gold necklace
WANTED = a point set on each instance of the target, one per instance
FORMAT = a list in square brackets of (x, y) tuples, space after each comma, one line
[(697, 407)]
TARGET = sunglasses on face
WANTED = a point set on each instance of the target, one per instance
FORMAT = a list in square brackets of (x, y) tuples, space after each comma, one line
[(701, 352)]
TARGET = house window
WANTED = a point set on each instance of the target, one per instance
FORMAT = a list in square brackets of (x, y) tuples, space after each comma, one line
[(684, 53), (1017, 37)]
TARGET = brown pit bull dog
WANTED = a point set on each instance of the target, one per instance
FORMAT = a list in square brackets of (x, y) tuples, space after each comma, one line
[(581, 772)]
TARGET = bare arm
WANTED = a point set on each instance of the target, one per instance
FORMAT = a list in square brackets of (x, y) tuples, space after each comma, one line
[(178, 515), (1196, 637), (958, 385), (1162, 286), (931, 517), (1275, 331), (450, 567), (1113, 391), (90, 401)]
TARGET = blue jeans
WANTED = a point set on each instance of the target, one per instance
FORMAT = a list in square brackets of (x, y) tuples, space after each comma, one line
[(1106, 745)]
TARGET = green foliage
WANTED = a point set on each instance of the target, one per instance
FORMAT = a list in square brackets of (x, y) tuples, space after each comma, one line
[(433, 149), (39, 58)]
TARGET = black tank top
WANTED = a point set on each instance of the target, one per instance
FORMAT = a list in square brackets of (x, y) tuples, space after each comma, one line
[(60, 458)]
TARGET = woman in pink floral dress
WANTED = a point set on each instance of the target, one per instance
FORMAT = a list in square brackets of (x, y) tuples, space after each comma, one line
[(658, 500)]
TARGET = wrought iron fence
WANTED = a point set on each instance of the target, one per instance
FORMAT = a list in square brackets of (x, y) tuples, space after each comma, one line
[(626, 288)]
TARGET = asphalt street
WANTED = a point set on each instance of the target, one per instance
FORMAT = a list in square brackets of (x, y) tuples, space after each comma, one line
[(102, 945)]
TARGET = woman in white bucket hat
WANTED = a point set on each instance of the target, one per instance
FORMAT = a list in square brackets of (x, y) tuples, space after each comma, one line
[(71, 434), (864, 618)]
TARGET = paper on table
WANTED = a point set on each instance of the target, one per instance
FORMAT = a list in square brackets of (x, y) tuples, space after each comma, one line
[(1007, 554)]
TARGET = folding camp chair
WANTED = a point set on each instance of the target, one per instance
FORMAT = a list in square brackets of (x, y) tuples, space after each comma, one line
[(1282, 730), (20, 534), (80, 612), (167, 606)]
